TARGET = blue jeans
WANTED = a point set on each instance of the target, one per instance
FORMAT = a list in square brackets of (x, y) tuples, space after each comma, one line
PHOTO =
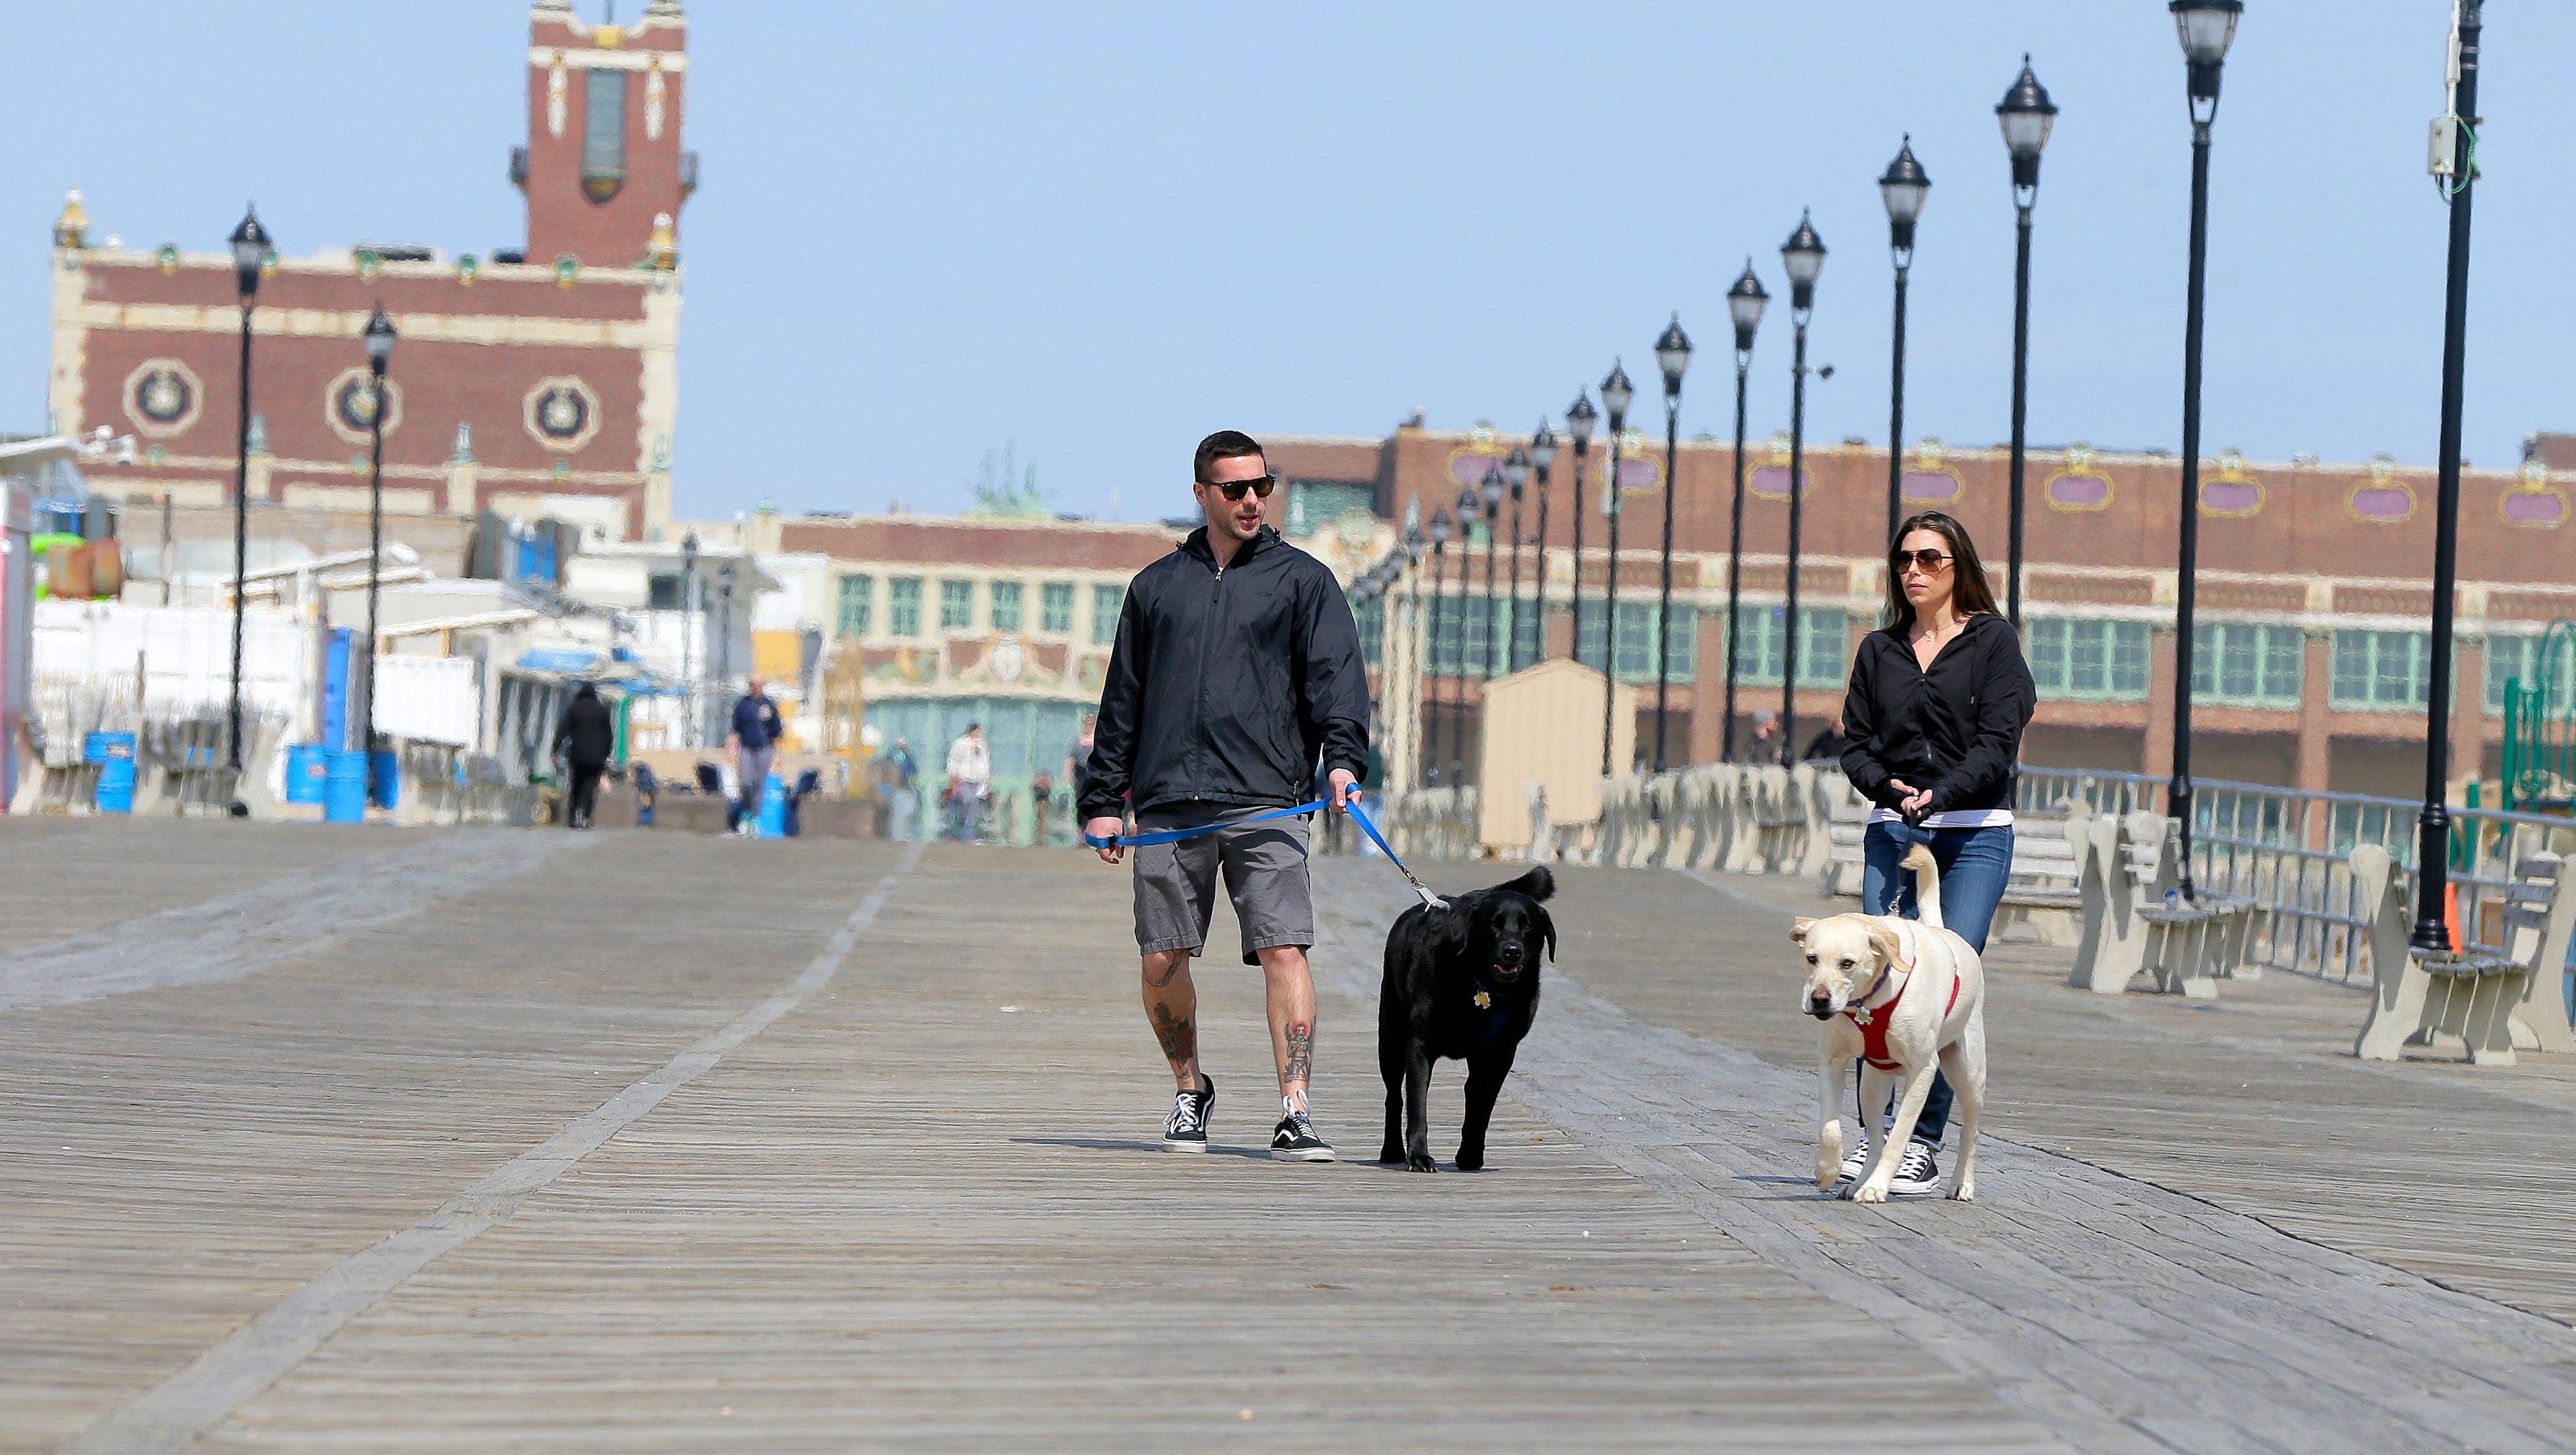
[(1975, 865)]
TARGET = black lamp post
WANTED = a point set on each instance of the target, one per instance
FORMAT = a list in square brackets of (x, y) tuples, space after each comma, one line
[(1802, 257), (1578, 422), (1439, 605), (724, 629), (1516, 475), (250, 254), (688, 630), (1470, 505), (2433, 843), (1419, 637), (2026, 114), (1672, 355), (1744, 304), (380, 352), (2206, 27), (1495, 487), (1904, 188), (1616, 393), (1542, 453)]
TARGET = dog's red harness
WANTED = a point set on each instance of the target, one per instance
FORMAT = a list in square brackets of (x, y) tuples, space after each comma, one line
[(1873, 1023)]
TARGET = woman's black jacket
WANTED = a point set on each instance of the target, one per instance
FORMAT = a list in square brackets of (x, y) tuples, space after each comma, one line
[(1955, 729)]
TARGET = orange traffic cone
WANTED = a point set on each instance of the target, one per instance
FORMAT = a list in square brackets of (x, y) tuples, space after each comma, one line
[(2451, 913)]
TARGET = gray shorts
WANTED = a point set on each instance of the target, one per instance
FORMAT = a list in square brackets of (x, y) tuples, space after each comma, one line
[(1265, 876)]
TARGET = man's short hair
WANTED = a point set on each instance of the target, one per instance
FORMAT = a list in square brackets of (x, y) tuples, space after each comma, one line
[(1225, 444)]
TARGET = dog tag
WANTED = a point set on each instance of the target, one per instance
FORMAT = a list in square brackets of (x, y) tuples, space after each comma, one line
[(1484, 1001)]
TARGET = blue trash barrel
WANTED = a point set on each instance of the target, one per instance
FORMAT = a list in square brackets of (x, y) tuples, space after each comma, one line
[(304, 773), (114, 753), (386, 791), (773, 808), (344, 788)]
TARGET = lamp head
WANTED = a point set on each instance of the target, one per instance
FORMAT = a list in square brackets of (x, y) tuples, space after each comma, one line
[(2207, 28), (1579, 418), (1803, 258), (380, 341), (1516, 470), (1904, 187), (2026, 115), (250, 253), (1744, 303), (1672, 355), (1542, 448), (1616, 394)]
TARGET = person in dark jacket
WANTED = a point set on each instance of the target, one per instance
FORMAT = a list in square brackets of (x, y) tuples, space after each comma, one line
[(1939, 697), (584, 739), (1237, 667)]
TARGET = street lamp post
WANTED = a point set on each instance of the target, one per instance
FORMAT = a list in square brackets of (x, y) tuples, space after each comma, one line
[(2206, 27), (2026, 114), (1672, 355), (1470, 505), (688, 633), (1903, 188), (250, 254), (1516, 475), (1744, 304), (1578, 422), (1431, 657), (1415, 642), (2433, 843), (1495, 486), (1802, 257), (380, 352), (1615, 396), (1542, 454)]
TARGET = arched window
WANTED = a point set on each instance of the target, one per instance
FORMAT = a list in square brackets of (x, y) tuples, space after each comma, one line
[(603, 135)]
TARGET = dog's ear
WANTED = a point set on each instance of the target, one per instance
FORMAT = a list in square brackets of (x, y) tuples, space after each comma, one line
[(1798, 929), (1883, 939), (1547, 930)]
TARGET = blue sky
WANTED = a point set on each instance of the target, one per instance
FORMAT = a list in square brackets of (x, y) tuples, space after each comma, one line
[(1102, 230)]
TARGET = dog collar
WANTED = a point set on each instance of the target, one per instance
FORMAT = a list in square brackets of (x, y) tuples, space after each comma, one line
[(1859, 1010)]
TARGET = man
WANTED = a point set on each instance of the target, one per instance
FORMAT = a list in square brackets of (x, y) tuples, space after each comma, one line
[(1764, 746), (1077, 755), (906, 800), (1236, 667), (584, 739), (754, 739), (970, 778)]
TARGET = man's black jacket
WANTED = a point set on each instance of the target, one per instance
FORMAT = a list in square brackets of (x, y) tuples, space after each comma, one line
[(1955, 729), (1226, 684), (587, 734)]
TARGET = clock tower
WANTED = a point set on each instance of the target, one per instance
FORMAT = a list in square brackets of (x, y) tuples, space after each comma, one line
[(603, 170)]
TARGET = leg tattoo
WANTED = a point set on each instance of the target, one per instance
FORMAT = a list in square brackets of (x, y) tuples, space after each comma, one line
[(1164, 979), (1301, 1053), (1180, 1039)]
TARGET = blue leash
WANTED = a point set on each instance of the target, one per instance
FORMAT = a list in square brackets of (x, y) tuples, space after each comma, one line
[(1360, 815)]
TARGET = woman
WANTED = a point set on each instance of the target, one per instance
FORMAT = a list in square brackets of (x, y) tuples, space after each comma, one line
[(1939, 697)]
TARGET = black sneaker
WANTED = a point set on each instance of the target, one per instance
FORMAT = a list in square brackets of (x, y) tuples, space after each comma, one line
[(1919, 1175), (1856, 1157), (1294, 1140), (1185, 1130)]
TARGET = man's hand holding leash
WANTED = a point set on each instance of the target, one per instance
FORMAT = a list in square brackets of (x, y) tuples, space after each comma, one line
[(1102, 832)]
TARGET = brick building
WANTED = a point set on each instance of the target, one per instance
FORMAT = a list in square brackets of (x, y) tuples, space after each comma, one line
[(530, 382), (2313, 612)]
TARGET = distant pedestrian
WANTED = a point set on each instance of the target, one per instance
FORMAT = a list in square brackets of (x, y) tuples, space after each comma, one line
[(584, 739), (754, 740), (1077, 756), (905, 824), (1827, 745), (1764, 747), (970, 782)]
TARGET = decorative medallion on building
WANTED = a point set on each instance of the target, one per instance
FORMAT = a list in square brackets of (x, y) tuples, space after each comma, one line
[(1771, 481), (562, 413), (2383, 499), (162, 397), (2534, 504), (1931, 480), (2081, 486), (1484, 451), (349, 404), (2233, 492)]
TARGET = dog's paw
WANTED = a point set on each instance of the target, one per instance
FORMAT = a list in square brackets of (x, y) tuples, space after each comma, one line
[(1390, 1153), (1869, 1192), (1827, 1174), (1470, 1161), (1420, 1164), (1963, 1191)]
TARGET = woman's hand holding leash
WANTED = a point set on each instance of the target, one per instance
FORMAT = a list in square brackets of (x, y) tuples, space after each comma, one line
[(1915, 801)]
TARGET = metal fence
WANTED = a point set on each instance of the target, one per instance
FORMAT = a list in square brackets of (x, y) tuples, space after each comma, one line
[(2290, 852)]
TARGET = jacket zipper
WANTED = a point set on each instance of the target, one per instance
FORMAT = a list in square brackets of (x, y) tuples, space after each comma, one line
[(1207, 648)]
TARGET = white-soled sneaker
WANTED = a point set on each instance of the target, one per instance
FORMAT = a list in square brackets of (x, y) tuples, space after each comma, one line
[(1185, 1130), (1856, 1158), (1294, 1140), (1919, 1175)]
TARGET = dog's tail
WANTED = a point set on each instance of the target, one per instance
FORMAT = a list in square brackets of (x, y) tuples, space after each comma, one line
[(1538, 883), (1927, 885)]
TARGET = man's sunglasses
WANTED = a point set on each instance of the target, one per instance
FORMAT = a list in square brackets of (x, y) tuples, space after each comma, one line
[(1931, 561), (1260, 485)]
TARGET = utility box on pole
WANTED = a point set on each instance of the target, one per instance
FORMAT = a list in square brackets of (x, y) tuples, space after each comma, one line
[(1542, 725)]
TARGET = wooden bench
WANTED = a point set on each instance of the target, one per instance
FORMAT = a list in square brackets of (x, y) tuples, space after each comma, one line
[(2191, 947), (2415, 997), (2121, 863), (2034, 899)]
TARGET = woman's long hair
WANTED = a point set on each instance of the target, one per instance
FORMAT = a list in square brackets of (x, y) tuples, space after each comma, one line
[(1970, 591)]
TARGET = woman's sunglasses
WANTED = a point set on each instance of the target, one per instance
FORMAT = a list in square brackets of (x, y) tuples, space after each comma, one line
[(1260, 485), (1930, 561)]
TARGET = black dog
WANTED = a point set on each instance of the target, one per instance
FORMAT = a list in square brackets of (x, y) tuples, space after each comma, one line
[(1462, 984)]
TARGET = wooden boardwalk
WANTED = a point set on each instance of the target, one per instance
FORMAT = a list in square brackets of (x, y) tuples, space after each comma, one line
[(328, 1138)]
